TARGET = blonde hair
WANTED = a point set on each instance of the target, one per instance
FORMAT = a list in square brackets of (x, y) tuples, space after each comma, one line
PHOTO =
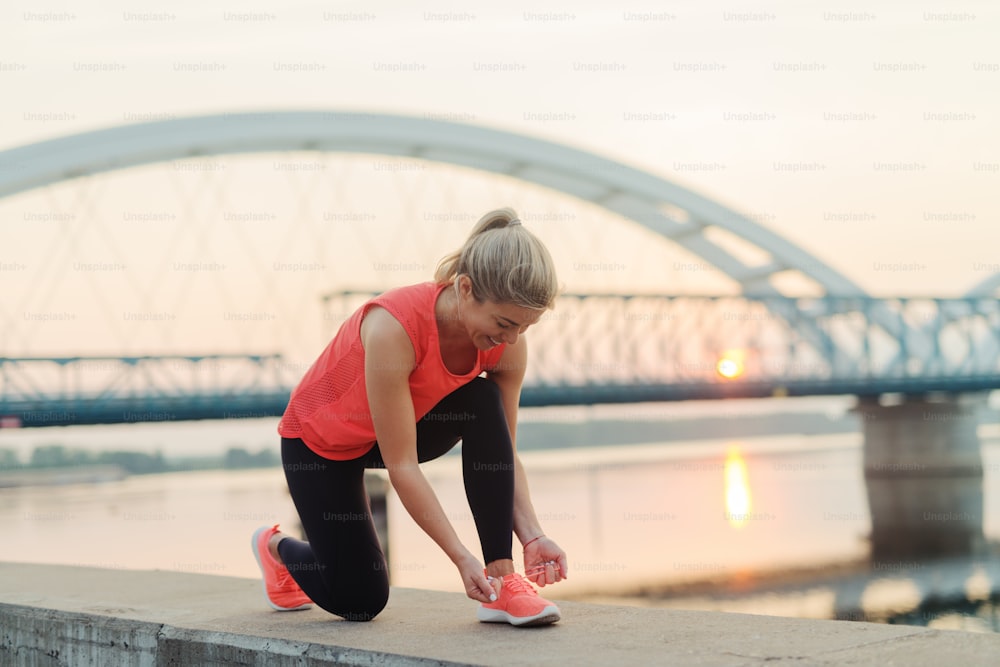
[(505, 262)]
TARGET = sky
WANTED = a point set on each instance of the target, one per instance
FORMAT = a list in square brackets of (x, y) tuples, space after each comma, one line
[(865, 133)]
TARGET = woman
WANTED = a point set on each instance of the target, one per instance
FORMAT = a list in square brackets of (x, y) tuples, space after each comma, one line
[(399, 385)]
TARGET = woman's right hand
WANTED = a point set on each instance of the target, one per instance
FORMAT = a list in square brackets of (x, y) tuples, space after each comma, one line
[(477, 586)]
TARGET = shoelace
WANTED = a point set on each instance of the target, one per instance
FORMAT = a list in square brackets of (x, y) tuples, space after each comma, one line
[(518, 584), (539, 569), (284, 578)]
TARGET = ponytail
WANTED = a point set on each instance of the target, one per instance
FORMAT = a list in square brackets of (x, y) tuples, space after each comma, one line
[(505, 261)]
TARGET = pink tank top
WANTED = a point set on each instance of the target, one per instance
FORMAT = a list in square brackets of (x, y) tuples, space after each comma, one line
[(329, 410)]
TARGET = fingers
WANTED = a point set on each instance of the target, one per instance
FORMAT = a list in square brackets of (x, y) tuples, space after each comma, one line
[(551, 572), (485, 590), (547, 572), (492, 589), (477, 594)]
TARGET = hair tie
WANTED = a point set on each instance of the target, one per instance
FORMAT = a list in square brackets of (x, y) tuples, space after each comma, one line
[(513, 222)]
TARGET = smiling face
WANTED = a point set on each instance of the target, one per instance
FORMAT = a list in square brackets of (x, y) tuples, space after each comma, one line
[(488, 323)]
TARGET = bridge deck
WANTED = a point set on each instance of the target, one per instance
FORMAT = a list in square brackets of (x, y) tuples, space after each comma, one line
[(257, 404)]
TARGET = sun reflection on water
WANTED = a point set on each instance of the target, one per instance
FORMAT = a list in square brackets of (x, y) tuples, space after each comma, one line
[(737, 489)]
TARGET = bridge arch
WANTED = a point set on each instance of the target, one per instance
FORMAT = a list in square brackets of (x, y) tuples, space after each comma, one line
[(676, 213)]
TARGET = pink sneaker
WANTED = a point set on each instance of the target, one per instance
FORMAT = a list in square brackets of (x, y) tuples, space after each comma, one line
[(518, 604), (280, 590)]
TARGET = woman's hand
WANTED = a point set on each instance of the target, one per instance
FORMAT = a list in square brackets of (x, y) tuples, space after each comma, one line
[(477, 586), (544, 562)]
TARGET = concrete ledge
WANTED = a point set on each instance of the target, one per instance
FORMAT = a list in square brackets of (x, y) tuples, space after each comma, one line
[(55, 615)]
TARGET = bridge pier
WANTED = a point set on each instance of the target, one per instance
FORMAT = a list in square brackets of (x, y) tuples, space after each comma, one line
[(924, 477)]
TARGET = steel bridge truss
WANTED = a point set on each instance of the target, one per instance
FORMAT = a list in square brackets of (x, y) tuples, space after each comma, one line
[(63, 391), (590, 349)]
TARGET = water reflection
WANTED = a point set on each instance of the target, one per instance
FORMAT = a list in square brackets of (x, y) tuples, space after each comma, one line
[(737, 485), (968, 615), (918, 518), (957, 594)]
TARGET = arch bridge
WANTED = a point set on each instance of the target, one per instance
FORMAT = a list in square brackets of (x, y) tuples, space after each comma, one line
[(608, 347)]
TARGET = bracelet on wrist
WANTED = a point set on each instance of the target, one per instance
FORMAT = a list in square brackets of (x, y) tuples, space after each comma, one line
[(525, 545)]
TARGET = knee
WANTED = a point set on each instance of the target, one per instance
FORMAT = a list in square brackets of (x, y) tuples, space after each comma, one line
[(364, 609), (484, 396), (361, 616)]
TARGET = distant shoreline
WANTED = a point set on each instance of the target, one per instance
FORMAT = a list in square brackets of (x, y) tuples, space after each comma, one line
[(85, 474), (51, 465), (61, 464)]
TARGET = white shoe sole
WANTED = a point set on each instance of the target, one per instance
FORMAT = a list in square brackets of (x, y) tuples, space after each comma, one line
[(263, 582), (548, 615)]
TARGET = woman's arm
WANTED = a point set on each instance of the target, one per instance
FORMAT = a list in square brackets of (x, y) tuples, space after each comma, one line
[(544, 562), (389, 360), (509, 376)]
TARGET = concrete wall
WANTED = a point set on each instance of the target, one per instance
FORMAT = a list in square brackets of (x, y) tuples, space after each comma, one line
[(74, 616)]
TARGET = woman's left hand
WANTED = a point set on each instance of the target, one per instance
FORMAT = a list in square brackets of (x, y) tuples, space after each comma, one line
[(544, 562)]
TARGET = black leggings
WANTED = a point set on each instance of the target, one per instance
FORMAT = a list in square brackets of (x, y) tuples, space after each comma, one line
[(342, 567)]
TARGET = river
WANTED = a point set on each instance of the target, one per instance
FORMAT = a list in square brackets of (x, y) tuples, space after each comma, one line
[(771, 524)]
